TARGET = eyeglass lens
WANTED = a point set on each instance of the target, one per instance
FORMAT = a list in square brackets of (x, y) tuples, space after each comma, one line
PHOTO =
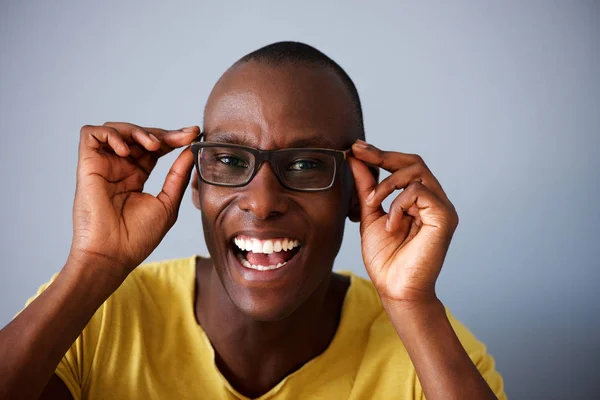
[(298, 169)]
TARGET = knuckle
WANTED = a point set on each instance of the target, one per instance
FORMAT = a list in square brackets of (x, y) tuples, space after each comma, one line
[(389, 185), (174, 174), (453, 216), (420, 168), (397, 205), (414, 187), (416, 159), (170, 211), (379, 156)]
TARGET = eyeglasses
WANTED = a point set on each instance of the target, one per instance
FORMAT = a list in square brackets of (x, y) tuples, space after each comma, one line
[(302, 169)]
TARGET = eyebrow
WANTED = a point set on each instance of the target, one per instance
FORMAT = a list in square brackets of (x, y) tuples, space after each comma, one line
[(319, 141)]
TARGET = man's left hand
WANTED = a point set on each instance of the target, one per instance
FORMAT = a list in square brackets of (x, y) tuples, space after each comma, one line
[(404, 249)]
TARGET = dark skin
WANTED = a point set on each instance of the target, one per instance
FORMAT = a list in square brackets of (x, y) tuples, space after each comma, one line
[(280, 324), (274, 324)]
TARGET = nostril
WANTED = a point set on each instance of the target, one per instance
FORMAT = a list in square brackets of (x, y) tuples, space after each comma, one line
[(264, 196)]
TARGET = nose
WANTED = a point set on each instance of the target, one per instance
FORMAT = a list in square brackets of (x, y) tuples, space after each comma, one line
[(263, 196)]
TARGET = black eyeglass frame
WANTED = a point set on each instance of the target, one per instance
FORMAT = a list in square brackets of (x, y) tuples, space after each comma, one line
[(261, 156)]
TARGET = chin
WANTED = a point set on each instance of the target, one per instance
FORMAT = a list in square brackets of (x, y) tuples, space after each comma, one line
[(264, 307), (270, 295)]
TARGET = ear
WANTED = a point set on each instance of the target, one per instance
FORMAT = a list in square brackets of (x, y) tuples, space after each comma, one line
[(195, 190), (354, 210)]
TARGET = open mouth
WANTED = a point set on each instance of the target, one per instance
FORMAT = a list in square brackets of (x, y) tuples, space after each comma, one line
[(264, 254)]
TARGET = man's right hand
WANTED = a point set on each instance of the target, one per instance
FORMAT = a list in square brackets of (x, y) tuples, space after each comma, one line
[(115, 224)]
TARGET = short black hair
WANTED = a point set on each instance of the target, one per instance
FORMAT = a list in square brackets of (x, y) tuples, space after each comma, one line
[(301, 53)]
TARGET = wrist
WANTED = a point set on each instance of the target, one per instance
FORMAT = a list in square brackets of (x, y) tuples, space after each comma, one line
[(410, 300), (415, 316), (97, 274), (412, 305)]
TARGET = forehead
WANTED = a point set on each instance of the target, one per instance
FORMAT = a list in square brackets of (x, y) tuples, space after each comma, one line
[(274, 106)]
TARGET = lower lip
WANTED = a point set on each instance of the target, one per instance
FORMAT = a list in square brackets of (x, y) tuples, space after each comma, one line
[(254, 275)]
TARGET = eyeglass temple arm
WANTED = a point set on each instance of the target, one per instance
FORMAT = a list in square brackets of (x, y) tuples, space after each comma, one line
[(347, 153)]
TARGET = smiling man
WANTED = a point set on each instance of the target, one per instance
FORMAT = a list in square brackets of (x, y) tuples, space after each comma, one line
[(278, 168)]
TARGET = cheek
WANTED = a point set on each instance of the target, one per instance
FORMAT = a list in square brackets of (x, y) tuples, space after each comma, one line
[(328, 215), (213, 200)]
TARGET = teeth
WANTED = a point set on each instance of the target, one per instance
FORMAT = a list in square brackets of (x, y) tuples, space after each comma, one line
[(241, 243), (256, 246), (266, 246), (247, 264)]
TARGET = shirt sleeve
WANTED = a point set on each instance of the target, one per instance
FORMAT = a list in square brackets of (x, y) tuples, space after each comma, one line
[(69, 370)]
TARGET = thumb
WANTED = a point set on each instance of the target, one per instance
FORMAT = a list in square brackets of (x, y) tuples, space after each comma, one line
[(365, 183), (176, 182)]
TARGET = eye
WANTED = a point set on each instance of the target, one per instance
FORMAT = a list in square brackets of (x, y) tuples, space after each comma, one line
[(232, 160), (303, 165)]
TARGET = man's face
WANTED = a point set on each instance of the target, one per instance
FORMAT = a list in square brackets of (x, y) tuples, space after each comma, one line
[(276, 107)]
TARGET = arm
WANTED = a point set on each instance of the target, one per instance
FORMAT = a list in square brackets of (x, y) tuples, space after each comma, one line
[(32, 345), (404, 251), (442, 364), (115, 227)]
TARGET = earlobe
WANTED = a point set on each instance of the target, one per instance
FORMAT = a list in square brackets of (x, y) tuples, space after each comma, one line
[(354, 210), (195, 182)]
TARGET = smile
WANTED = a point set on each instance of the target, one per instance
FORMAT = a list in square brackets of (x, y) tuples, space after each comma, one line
[(265, 254)]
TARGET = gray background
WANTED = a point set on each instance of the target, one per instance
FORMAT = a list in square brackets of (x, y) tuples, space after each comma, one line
[(501, 99)]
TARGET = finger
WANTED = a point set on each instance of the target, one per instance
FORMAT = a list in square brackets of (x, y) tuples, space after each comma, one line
[(97, 137), (142, 158), (135, 134), (365, 183), (388, 160), (407, 228), (176, 182), (401, 179), (172, 139), (418, 202), (156, 139)]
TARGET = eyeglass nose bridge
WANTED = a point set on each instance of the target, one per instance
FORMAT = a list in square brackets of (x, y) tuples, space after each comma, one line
[(262, 156)]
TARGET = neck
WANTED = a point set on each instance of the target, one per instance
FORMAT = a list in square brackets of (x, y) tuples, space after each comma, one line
[(278, 348)]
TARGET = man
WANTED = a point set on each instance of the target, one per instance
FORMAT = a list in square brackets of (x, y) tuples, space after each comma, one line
[(279, 166)]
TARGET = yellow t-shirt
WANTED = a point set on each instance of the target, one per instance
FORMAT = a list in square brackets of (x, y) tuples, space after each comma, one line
[(144, 343)]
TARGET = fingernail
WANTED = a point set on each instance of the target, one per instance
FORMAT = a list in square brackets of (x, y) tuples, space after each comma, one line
[(370, 197), (387, 224), (362, 144), (154, 138), (190, 129)]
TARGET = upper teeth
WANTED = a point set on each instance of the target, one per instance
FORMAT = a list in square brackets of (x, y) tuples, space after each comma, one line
[(265, 246)]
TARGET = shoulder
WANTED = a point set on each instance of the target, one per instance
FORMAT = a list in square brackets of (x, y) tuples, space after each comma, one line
[(158, 275), (155, 294), (383, 333), (152, 289), (161, 275), (366, 303), (386, 358)]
